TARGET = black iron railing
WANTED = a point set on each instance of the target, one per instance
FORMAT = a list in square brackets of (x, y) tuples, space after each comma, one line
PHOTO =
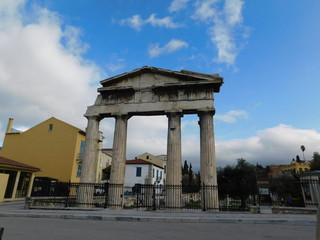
[(297, 193), (147, 196)]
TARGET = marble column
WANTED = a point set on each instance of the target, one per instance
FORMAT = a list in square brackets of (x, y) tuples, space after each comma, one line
[(117, 175), (208, 170), (89, 162), (174, 176)]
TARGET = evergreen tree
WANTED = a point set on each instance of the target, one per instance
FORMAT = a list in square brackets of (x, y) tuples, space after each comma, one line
[(185, 169), (303, 148), (190, 174), (315, 164)]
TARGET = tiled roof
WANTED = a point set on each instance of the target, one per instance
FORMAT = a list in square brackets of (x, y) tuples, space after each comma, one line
[(11, 163), (140, 161)]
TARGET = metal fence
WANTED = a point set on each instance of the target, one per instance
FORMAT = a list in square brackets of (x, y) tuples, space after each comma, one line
[(146, 196), (296, 193)]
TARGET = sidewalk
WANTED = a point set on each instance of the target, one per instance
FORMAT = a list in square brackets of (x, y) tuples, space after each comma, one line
[(16, 209)]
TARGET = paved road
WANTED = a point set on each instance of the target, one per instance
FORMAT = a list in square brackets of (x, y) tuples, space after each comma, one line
[(21, 228)]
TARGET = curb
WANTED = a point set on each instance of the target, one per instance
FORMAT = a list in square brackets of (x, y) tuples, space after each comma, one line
[(165, 219)]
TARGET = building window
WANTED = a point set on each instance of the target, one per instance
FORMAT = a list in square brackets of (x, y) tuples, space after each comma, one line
[(147, 157), (79, 169), (138, 172), (160, 175), (157, 174), (82, 146), (153, 172), (50, 127)]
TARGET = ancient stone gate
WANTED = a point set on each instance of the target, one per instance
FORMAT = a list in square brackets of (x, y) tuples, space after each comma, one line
[(153, 91)]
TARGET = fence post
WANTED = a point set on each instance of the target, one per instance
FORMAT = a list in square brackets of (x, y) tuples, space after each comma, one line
[(154, 197), (318, 224), (138, 200), (68, 193), (106, 190), (1, 232), (203, 197)]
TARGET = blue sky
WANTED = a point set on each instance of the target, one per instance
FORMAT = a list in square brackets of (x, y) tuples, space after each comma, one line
[(54, 53)]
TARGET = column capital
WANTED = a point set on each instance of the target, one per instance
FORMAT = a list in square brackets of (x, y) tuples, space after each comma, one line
[(207, 112), (94, 117), (122, 115), (174, 113)]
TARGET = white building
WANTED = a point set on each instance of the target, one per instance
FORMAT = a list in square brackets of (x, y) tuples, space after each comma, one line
[(139, 171)]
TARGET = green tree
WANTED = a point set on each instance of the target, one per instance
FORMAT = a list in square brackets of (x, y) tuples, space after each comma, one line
[(287, 188), (315, 164), (185, 169), (303, 149), (225, 179), (190, 173), (238, 181)]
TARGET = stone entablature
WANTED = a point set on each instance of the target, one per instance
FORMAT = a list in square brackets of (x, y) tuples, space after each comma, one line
[(154, 91)]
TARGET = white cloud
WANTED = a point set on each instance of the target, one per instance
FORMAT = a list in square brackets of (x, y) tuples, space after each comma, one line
[(277, 145), (137, 22), (177, 5), (161, 22), (224, 21), (227, 51), (42, 71), (145, 134), (73, 43), (233, 11), (205, 10), (172, 46), (232, 116)]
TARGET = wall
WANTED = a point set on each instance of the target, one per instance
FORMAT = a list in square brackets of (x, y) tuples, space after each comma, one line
[(130, 176), (159, 180), (3, 183), (131, 179), (151, 158)]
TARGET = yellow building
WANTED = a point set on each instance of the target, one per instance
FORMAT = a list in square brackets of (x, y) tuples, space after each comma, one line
[(53, 146), (297, 167)]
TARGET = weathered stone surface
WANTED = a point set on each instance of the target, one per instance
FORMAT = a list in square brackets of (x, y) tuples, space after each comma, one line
[(174, 161), (118, 161)]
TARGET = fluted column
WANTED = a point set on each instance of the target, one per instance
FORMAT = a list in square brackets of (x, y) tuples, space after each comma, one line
[(173, 178), (89, 162), (208, 162), (117, 174)]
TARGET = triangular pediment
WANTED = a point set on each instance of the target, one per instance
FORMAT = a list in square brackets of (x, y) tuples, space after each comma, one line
[(151, 77)]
